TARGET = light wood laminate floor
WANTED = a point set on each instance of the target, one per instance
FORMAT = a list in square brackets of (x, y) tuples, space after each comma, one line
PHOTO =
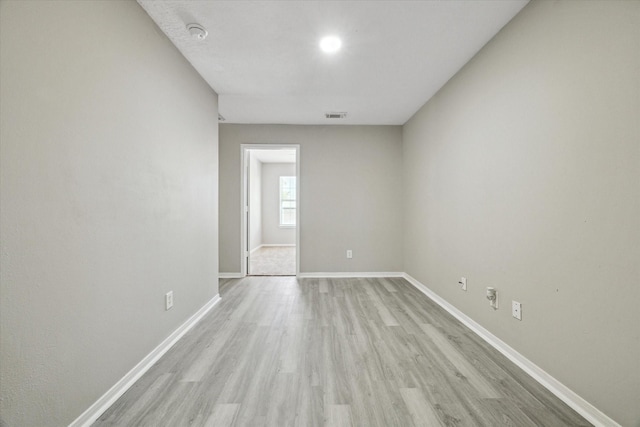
[(281, 351)]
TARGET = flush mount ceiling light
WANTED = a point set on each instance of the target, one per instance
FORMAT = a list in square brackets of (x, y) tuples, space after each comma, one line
[(330, 44), (197, 31)]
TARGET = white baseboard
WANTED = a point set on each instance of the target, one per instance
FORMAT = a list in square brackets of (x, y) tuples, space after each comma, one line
[(577, 403), (230, 275), (89, 416), (350, 274)]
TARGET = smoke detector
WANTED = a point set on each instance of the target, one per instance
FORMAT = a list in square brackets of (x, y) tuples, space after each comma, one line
[(197, 31), (335, 115)]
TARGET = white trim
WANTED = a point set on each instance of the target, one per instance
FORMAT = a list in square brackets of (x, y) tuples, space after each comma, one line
[(230, 275), (244, 148), (577, 403), (298, 208), (351, 274), (244, 210), (94, 411)]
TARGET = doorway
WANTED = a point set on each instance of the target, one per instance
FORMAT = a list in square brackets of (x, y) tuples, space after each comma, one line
[(270, 210)]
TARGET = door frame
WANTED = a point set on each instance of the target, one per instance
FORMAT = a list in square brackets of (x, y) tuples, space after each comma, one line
[(244, 200)]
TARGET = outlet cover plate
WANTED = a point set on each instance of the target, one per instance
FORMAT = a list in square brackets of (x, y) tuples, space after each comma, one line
[(516, 310), (463, 283), (168, 300)]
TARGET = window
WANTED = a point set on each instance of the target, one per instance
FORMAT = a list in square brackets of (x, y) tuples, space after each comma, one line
[(287, 201)]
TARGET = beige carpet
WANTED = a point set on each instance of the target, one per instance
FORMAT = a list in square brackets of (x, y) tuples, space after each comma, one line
[(273, 261)]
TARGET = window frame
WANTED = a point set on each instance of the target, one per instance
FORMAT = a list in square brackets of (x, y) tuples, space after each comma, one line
[(293, 191)]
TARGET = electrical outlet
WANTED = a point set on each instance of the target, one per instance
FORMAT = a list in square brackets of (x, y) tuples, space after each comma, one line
[(168, 300), (516, 310), (463, 283), (349, 253)]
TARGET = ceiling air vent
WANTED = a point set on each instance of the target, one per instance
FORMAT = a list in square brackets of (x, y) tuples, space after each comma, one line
[(335, 115)]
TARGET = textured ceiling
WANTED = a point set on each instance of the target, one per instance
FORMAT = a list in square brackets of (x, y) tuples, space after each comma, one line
[(263, 60)]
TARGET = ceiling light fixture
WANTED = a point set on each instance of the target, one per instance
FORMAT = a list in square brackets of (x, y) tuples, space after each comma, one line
[(330, 44), (197, 31)]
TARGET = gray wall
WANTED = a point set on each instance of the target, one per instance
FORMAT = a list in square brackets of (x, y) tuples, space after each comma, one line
[(523, 173), (351, 183), (272, 233), (108, 178), (255, 202)]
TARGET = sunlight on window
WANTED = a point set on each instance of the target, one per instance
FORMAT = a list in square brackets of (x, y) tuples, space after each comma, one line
[(288, 201)]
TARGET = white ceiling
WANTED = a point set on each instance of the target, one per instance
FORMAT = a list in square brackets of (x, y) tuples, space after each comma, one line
[(274, 155), (263, 60)]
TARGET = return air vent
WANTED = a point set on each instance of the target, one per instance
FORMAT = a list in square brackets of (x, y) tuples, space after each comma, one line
[(335, 115)]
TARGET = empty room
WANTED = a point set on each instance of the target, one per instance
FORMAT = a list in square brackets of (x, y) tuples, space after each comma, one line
[(319, 213)]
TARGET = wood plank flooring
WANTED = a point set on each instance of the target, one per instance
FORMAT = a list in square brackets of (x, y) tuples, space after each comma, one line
[(282, 351)]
